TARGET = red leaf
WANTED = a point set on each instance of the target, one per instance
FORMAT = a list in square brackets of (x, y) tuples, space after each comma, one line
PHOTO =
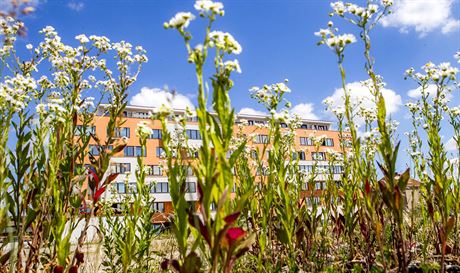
[(234, 234), (367, 187), (98, 194), (94, 176), (111, 177), (231, 218)]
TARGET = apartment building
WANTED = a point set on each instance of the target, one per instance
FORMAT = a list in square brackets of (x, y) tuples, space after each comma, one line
[(125, 162)]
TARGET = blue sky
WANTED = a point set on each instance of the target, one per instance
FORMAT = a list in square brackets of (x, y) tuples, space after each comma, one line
[(277, 40)]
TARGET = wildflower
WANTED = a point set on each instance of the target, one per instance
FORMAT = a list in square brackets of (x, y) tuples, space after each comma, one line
[(208, 6), (82, 38), (457, 56), (180, 21), (233, 66), (224, 41), (29, 46)]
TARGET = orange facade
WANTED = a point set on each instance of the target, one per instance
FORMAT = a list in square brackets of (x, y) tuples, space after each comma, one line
[(125, 162)]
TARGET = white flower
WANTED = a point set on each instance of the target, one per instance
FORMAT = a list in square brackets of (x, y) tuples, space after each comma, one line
[(387, 3), (224, 41), (29, 46), (180, 21), (233, 66), (143, 129), (457, 56), (82, 38), (208, 6)]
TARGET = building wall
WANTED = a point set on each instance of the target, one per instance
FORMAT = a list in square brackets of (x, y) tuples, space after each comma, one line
[(136, 114)]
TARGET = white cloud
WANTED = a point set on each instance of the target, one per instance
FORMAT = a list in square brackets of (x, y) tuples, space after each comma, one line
[(304, 110), (423, 16), (156, 97), (451, 145), (251, 111), (358, 92), (431, 90), (76, 6)]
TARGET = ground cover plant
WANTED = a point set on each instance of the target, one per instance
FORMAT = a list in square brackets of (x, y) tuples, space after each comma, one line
[(266, 216)]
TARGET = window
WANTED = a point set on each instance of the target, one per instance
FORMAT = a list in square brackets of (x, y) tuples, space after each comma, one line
[(306, 141), (94, 150), (160, 187), (318, 155), (193, 134), (306, 168), (250, 122), (283, 125), (337, 169), (156, 134), (120, 187), (159, 206), (261, 139), (192, 119), (319, 185), (135, 151), (85, 130), (121, 167), (155, 170), (329, 142), (190, 187), (304, 126), (122, 132), (320, 127), (132, 188), (160, 152), (301, 155)]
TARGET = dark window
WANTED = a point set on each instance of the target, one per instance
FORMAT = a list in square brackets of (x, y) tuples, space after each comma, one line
[(193, 134), (80, 130), (304, 126), (156, 134), (318, 155), (250, 122), (283, 125), (155, 170), (302, 155), (261, 139), (135, 151), (160, 187), (122, 132), (329, 142), (120, 187), (160, 152), (306, 141), (159, 206), (94, 150), (121, 167), (190, 187)]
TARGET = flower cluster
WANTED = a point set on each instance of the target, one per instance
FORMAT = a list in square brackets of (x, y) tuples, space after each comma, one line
[(208, 7), (14, 92), (180, 21), (434, 73), (9, 29), (333, 40), (224, 41), (270, 95), (54, 110), (362, 13)]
